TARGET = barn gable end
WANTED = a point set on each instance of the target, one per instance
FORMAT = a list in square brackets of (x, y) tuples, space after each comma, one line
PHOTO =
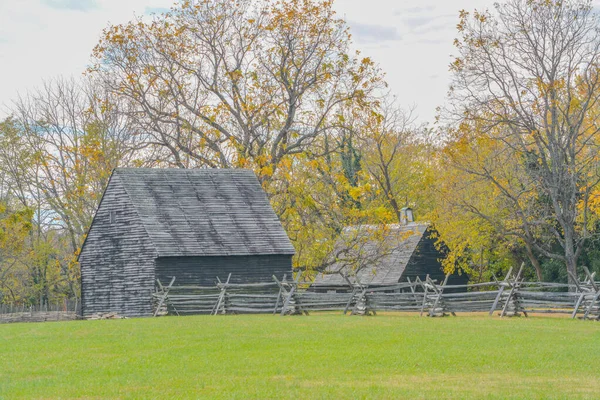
[(426, 260), (117, 259)]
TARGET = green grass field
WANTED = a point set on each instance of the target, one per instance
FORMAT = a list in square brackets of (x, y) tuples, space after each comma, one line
[(320, 356)]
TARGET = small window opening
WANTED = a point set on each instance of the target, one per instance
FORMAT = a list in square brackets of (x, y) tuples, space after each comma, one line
[(113, 217)]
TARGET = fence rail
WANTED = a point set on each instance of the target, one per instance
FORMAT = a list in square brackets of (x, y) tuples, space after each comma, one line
[(509, 297), (57, 311)]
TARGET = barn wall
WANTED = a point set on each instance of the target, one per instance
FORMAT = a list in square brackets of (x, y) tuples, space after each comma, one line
[(204, 270), (117, 260), (425, 260)]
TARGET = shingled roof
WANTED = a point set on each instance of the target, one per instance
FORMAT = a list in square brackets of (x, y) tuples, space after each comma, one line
[(204, 212), (399, 245)]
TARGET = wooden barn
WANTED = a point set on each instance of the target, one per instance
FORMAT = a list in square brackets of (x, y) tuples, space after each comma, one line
[(194, 225), (407, 250)]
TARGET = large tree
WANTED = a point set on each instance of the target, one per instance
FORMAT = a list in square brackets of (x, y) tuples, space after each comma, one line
[(247, 83), (526, 76)]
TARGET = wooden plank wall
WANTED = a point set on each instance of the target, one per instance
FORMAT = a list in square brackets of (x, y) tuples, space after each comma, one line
[(425, 260), (117, 260), (205, 270)]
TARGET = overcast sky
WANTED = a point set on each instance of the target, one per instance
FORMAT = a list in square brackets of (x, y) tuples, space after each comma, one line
[(411, 40)]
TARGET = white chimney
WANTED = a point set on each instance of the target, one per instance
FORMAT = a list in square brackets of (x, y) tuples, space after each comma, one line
[(406, 216)]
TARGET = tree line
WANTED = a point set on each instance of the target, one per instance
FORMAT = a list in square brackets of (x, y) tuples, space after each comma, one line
[(508, 172)]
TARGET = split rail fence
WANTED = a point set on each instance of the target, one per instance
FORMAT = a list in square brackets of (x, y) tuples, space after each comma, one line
[(59, 311), (512, 296)]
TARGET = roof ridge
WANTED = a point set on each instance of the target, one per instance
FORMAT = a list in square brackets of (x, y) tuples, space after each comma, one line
[(182, 170)]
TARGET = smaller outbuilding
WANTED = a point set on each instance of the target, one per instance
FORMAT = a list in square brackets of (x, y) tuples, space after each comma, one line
[(394, 254), (194, 225)]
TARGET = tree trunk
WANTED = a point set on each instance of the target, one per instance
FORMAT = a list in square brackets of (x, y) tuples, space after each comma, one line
[(534, 261), (572, 268), (570, 254), (395, 207)]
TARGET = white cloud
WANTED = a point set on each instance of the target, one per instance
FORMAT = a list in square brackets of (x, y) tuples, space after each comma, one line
[(414, 10), (156, 10), (417, 65), (368, 33), (76, 5), (41, 39)]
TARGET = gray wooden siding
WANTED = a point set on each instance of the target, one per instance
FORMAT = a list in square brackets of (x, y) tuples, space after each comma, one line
[(117, 260), (204, 270), (426, 261)]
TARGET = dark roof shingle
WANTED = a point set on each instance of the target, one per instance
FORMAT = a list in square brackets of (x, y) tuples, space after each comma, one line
[(205, 212), (399, 244)]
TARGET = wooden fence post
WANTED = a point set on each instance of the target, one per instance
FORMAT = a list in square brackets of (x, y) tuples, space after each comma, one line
[(425, 286), (289, 295), (412, 289), (439, 291), (501, 286), (513, 296), (354, 289), (278, 295), (165, 293), (221, 296)]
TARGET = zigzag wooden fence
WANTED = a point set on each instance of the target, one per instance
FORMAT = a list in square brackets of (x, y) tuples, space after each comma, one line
[(509, 297), (57, 311)]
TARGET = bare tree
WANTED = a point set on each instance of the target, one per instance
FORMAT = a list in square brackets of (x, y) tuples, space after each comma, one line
[(527, 76), (57, 152), (71, 135)]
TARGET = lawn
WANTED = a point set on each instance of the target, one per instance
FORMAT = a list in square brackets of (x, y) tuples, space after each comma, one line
[(320, 356)]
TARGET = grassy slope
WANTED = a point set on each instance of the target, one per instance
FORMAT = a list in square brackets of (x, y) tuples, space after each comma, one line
[(321, 356)]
